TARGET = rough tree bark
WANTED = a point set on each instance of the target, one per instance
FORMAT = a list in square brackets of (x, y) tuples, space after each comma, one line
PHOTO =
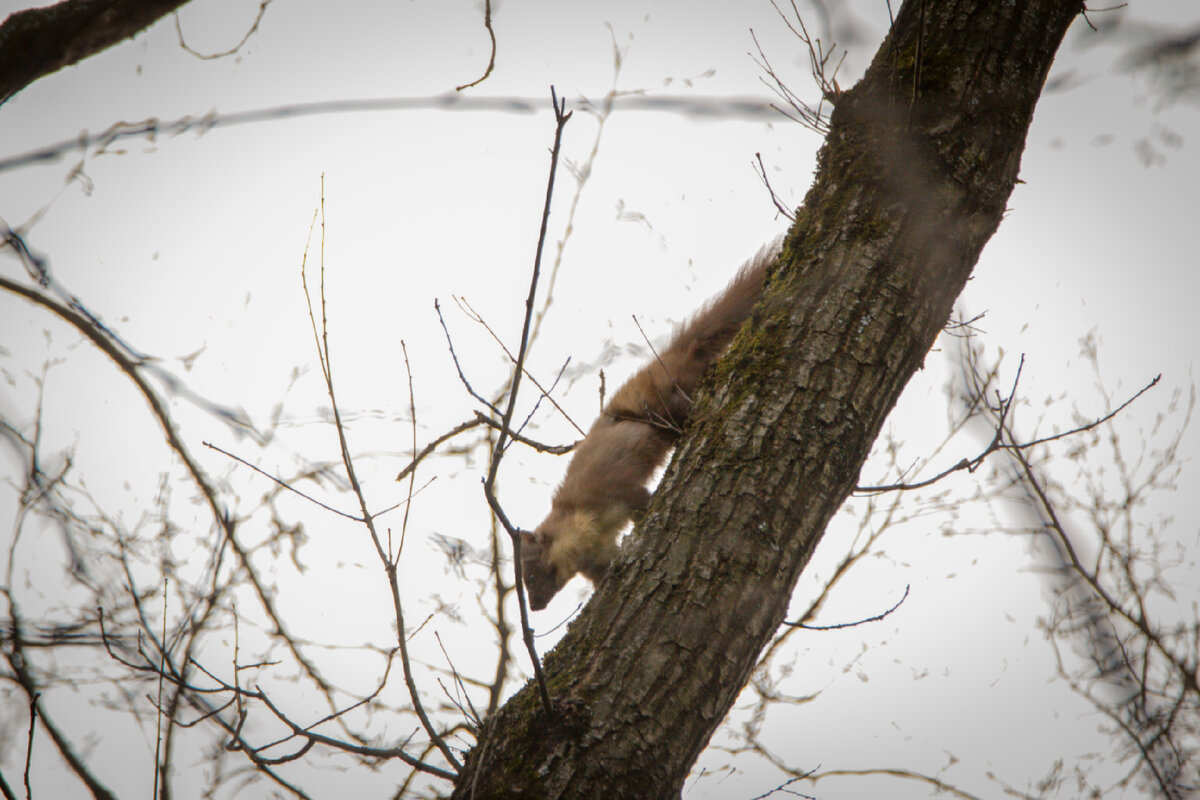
[(913, 179)]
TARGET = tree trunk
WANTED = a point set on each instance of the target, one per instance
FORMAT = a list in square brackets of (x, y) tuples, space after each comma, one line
[(913, 179)]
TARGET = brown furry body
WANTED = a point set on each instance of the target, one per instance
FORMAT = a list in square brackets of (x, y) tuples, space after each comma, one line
[(605, 484)]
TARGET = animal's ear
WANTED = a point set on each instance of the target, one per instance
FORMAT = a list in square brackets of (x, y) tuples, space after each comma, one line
[(532, 546)]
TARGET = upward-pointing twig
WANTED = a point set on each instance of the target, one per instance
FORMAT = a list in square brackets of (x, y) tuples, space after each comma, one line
[(561, 115)]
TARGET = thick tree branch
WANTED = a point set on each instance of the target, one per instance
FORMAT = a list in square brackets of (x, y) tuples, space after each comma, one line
[(39, 41)]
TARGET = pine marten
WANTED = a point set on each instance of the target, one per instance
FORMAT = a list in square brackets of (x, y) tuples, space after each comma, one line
[(605, 484)]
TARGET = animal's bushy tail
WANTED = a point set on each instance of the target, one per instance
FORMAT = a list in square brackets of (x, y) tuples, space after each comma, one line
[(662, 390)]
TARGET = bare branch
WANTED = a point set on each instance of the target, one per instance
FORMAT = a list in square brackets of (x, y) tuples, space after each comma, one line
[(433, 445), (1001, 443), (815, 119), (761, 171), (546, 393), (487, 23), (33, 712), (387, 558), (262, 10), (282, 483), (840, 625), (699, 107), (457, 366), (561, 116), (39, 41), (162, 665), (15, 656), (5, 789), (131, 367), (553, 449)]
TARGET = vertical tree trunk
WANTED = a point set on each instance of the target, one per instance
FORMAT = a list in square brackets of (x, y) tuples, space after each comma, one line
[(913, 179)]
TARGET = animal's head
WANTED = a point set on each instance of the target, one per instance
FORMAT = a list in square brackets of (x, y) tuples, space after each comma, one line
[(565, 543), (542, 579)]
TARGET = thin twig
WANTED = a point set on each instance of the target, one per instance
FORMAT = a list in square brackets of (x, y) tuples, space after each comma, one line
[(284, 484), (387, 559), (779, 206), (553, 449), (33, 712), (412, 474), (470, 712), (433, 445), (19, 663), (162, 669), (561, 116), (840, 625), (5, 789), (262, 10), (313, 737), (487, 22), (1137, 618), (1100, 596), (466, 383), (664, 422), (132, 365), (546, 393), (999, 443)]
